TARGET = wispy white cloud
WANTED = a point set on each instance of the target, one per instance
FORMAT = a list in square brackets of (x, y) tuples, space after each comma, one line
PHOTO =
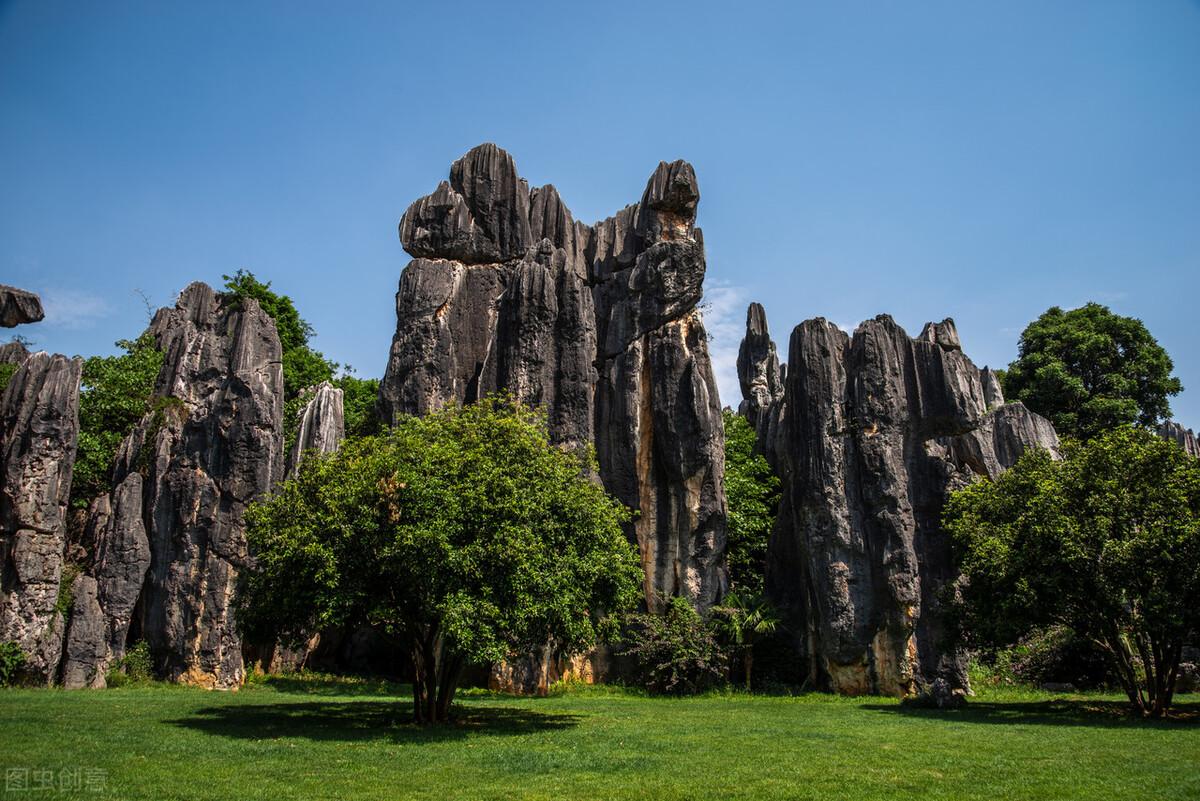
[(73, 309), (724, 310)]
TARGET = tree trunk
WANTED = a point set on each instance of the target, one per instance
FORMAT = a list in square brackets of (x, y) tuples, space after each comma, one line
[(747, 664), (436, 671)]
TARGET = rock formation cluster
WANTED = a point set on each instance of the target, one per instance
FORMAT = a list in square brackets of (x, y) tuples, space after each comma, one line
[(596, 324), (869, 432)]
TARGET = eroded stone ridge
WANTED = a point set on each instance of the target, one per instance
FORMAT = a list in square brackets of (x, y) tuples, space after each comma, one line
[(39, 428), (596, 324), (183, 478), (869, 435)]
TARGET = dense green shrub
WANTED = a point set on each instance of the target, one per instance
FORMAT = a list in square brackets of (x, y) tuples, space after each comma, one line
[(136, 667), (12, 659), (752, 494), (676, 652), (1052, 654)]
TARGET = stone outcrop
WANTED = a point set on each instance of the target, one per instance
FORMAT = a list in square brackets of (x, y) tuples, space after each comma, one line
[(39, 427), (869, 435), (322, 424), (596, 324), (1186, 438), (18, 307), (13, 353), (183, 479), (84, 653)]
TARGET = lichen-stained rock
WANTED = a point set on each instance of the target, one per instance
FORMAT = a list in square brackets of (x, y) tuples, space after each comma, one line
[(85, 650), (213, 444), (870, 434), (18, 307), (322, 424), (595, 324), (39, 427), (122, 557), (1186, 438)]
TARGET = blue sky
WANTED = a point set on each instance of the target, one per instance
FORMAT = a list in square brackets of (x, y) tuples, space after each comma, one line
[(926, 159)]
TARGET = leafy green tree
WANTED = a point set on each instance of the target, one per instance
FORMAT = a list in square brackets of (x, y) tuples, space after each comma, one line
[(465, 533), (1089, 370), (677, 651), (744, 618), (752, 495), (1105, 542), (115, 392), (359, 398)]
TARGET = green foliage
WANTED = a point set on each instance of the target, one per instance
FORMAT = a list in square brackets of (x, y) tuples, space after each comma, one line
[(359, 398), (6, 374), (136, 667), (1105, 542), (752, 495), (12, 660), (66, 589), (1089, 370), (677, 652), (742, 618), (303, 367), (115, 391), (464, 533), (1050, 654)]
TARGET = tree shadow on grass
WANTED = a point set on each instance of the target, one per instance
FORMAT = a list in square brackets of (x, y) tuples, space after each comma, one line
[(1092, 713), (364, 720)]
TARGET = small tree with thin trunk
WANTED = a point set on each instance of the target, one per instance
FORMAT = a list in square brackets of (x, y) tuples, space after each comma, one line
[(464, 533), (1105, 542)]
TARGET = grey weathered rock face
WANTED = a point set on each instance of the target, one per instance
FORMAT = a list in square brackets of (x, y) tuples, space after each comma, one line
[(18, 307), (122, 557), (322, 424), (39, 427), (213, 445), (84, 654), (1186, 438), (596, 324), (759, 372), (870, 434)]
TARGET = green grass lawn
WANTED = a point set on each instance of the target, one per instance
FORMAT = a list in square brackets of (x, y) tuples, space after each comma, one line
[(328, 739)]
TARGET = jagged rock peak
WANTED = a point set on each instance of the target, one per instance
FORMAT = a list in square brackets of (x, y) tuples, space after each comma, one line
[(596, 324), (944, 334), (871, 433), (759, 372), (214, 445), (993, 393), (13, 353), (18, 307), (1186, 438), (39, 430), (322, 424)]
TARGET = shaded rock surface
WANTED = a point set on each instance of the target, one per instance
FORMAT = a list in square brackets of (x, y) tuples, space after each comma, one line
[(13, 353), (596, 324), (1186, 438), (39, 429), (85, 649), (18, 307), (869, 435), (183, 479)]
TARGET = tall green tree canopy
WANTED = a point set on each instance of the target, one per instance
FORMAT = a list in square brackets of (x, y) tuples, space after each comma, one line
[(752, 495), (465, 533), (1089, 370), (1106, 542), (115, 391)]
